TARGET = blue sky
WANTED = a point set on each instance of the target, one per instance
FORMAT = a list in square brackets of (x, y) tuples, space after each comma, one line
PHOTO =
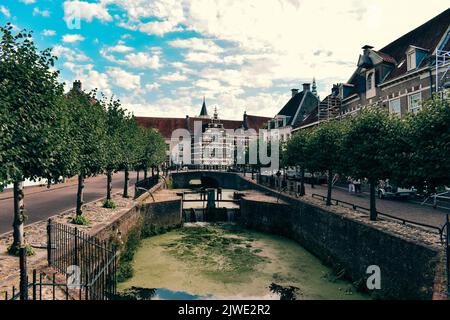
[(160, 57)]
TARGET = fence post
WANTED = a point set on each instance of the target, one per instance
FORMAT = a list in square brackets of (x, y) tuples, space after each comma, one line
[(49, 242), (76, 247), (447, 250), (23, 274)]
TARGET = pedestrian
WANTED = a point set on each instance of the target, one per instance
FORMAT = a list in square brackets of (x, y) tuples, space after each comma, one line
[(351, 186), (357, 184)]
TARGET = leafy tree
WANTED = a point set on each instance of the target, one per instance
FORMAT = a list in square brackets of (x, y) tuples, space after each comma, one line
[(322, 151), (131, 148), (115, 122), (153, 151), (428, 135), (88, 123), (369, 145), (296, 154), (29, 92)]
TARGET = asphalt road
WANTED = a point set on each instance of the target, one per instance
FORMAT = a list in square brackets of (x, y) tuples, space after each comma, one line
[(42, 203)]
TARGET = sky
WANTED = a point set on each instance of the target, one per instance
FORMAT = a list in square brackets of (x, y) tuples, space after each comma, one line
[(161, 57)]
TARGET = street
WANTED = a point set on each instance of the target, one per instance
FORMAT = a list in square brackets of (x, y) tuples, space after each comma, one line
[(42, 203)]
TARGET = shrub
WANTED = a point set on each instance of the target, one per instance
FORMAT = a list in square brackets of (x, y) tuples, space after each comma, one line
[(109, 204), (81, 220), (15, 250)]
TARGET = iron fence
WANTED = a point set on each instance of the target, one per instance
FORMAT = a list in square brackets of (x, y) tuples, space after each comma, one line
[(88, 263)]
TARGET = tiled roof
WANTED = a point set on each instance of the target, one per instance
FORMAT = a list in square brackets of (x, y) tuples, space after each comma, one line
[(427, 36), (291, 107), (167, 125)]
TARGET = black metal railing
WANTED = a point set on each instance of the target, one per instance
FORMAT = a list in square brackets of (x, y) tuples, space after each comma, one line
[(399, 219), (86, 260), (144, 185)]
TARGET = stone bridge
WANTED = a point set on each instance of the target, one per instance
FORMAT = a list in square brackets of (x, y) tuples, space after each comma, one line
[(210, 179)]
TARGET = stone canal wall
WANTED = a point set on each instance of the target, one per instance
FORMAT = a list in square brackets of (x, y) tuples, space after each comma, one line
[(409, 268), (153, 213)]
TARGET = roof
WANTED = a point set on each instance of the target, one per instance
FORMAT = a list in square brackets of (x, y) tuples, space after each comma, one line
[(291, 107), (203, 111), (167, 125), (427, 36)]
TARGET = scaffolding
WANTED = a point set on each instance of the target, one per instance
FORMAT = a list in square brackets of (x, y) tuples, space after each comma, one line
[(442, 72), (329, 108)]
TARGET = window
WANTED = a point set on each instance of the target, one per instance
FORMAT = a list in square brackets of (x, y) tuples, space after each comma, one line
[(411, 60), (395, 106), (370, 81), (414, 102)]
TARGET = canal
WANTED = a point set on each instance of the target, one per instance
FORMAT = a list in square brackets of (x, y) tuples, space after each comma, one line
[(224, 261)]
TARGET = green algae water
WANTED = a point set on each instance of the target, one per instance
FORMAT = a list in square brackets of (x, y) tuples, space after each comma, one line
[(225, 261)]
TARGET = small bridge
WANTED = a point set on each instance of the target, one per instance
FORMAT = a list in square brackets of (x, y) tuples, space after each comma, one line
[(209, 179)]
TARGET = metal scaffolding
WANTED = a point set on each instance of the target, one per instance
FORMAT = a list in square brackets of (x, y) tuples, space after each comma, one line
[(442, 71), (329, 108)]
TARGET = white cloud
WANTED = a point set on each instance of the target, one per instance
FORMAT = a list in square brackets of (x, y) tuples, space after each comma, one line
[(71, 38), (152, 86), (202, 57), (140, 60), (69, 54), (124, 79), (38, 12), (196, 44), (48, 33), (5, 11), (120, 47), (85, 11), (28, 1), (172, 77), (90, 78)]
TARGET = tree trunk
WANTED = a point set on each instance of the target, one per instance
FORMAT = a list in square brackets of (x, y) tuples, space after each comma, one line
[(373, 207), (145, 173), (153, 171), (302, 182), (330, 186), (79, 209), (126, 183), (108, 185), (312, 180), (19, 216), (137, 176)]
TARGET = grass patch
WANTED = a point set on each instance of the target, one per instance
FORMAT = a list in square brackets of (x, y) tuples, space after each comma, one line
[(109, 204), (80, 220), (15, 250)]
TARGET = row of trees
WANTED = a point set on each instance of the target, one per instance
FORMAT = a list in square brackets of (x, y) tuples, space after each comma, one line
[(376, 145), (45, 133)]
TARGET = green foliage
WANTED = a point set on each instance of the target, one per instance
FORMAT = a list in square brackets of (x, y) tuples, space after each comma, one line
[(428, 138), (295, 153), (370, 144), (80, 220), (14, 250), (109, 204)]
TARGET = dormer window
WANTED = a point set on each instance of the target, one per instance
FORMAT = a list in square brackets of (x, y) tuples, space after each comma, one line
[(411, 59), (370, 81)]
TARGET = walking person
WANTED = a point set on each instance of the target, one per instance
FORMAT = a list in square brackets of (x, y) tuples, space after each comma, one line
[(357, 184), (351, 186)]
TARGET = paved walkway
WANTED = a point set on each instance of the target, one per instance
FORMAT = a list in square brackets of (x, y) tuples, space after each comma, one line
[(395, 207)]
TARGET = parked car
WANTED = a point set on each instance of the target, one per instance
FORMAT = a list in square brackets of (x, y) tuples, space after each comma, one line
[(386, 190)]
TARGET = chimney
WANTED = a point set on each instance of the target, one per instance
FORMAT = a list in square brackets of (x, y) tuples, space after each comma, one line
[(294, 91), (76, 86), (187, 123), (306, 87)]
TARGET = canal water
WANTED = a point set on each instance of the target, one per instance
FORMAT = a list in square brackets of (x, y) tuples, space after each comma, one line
[(225, 261)]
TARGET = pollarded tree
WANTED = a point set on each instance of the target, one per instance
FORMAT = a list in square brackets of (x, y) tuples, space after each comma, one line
[(371, 141), (323, 151), (154, 150), (115, 122), (296, 154), (29, 90), (428, 134), (131, 147), (88, 123)]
